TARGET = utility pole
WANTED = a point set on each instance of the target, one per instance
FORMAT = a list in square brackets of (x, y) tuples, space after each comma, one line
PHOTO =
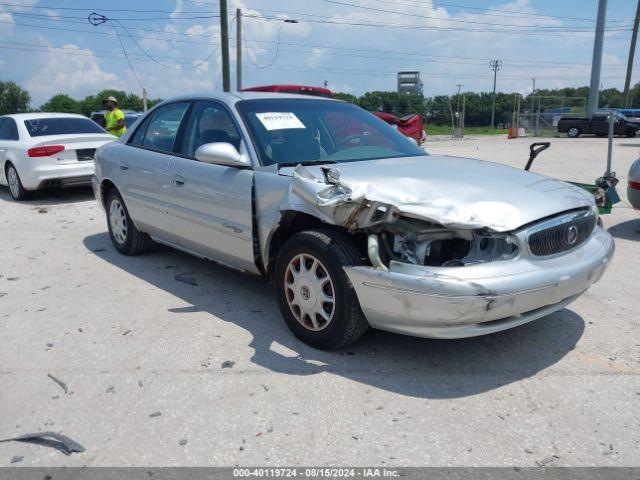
[(224, 45), (632, 53), (457, 131), (533, 99), (533, 92), (495, 65), (238, 49), (596, 66), (144, 99)]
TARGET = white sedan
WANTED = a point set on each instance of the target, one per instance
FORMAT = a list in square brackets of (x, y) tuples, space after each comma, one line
[(39, 150)]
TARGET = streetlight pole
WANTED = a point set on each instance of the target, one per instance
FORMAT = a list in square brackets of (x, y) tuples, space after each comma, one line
[(632, 53), (596, 65)]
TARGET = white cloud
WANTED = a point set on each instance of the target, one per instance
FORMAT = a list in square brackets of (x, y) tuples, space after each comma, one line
[(76, 73)]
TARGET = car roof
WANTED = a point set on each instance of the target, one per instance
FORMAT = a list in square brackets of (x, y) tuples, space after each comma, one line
[(36, 115)]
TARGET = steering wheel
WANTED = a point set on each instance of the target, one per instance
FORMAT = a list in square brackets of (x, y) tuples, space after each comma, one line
[(350, 139)]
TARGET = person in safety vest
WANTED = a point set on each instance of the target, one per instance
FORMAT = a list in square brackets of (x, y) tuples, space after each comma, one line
[(114, 118)]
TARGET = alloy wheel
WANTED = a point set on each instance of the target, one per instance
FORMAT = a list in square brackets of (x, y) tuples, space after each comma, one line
[(309, 292), (14, 181), (118, 221)]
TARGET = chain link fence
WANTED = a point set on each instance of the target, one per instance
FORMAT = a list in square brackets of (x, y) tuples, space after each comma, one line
[(539, 115)]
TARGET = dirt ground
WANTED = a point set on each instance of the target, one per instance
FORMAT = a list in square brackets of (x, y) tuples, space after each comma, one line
[(160, 372)]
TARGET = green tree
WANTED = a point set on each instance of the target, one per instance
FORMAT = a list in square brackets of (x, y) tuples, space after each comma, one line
[(62, 103), (13, 99), (126, 101), (347, 97)]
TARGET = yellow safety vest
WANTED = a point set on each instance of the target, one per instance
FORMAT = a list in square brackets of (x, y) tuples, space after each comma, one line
[(111, 120)]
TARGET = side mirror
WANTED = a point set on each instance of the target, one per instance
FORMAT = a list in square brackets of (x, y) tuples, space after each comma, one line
[(221, 153)]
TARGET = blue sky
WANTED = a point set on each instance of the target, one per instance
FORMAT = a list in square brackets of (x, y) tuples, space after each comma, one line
[(49, 46)]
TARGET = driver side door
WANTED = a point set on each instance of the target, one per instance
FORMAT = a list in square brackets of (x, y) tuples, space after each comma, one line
[(210, 206)]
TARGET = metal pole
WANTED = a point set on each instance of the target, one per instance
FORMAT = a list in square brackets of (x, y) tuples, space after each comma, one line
[(495, 64), (596, 66), (224, 44), (238, 49), (610, 149), (533, 99), (632, 54), (464, 112), (144, 99)]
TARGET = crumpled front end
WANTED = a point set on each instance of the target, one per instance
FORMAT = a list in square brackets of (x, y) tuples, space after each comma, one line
[(443, 273), (482, 298)]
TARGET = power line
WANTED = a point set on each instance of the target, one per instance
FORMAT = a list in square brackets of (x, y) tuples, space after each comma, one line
[(394, 12), (360, 52), (297, 68), (490, 11), (318, 19), (519, 31)]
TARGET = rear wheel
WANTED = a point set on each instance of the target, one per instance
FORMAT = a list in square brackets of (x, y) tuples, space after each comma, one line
[(124, 235), (316, 298), (16, 189), (573, 132)]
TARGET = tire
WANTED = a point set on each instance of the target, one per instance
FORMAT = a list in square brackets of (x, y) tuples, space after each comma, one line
[(574, 132), (332, 250), (14, 183), (124, 235)]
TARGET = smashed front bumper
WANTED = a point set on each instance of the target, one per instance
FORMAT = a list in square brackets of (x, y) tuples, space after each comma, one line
[(475, 300)]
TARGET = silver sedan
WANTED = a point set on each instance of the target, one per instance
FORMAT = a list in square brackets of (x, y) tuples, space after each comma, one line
[(633, 187), (353, 223)]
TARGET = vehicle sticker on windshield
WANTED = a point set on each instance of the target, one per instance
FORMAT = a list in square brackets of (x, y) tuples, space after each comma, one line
[(279, 120)]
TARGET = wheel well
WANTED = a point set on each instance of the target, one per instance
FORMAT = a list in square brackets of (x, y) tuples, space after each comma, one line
[(105, 187), (294, 222)]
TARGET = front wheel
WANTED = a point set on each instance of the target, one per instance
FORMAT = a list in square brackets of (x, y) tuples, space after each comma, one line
[(16, 189), (316, 298), (573, 132), (124, 235)]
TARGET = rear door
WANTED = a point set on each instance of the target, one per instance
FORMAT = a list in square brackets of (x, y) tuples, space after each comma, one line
[(143, 169), (210, 205)]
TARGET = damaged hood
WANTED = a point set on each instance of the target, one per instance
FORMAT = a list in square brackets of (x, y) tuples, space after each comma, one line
[(451, 191)]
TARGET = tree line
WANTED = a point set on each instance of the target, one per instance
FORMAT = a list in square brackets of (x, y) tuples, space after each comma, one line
[(14, 99), (437, 110)]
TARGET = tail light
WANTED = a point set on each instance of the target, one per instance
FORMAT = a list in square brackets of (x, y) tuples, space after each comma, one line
[(634, 185), (45, 151)]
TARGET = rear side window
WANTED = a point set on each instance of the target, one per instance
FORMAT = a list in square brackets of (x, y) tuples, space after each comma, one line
[(163, 128), (40, 127), (8, 129), (138, 136)]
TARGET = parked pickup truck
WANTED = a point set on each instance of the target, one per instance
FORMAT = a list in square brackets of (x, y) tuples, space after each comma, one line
[(598, 125)]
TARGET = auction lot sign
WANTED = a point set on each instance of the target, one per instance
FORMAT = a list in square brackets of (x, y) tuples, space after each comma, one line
[(427, 473)]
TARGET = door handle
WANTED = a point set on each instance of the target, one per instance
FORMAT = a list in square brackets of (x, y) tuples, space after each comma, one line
[(178, 180), (124, 166)]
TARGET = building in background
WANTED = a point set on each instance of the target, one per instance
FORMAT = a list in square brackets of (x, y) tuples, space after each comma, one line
[(409, 82)]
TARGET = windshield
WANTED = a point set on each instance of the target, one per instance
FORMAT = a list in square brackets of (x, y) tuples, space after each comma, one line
[(291, 131), (40, 127)]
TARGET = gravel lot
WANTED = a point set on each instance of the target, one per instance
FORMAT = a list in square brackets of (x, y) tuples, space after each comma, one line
[(128, 340)]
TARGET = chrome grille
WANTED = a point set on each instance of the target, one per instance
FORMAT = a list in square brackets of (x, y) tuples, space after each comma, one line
[(561, 233)]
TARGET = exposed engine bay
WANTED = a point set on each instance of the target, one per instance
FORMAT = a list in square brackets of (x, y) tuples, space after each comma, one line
[(420, 243)]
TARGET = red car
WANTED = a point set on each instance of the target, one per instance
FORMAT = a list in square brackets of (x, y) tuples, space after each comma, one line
[(411, 126), (301, 89)]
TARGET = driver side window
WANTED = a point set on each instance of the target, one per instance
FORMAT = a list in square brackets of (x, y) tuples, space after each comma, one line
[(209, 123)]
